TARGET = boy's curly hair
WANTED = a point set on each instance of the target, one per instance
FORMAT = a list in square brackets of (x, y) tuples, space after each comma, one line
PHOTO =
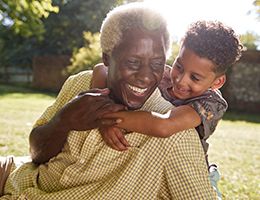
[(215, 41)]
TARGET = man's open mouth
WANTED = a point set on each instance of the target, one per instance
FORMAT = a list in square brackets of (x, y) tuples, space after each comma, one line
[(138, 91)]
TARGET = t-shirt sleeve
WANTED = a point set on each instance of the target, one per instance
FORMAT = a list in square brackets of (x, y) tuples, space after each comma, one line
[(211, 108)]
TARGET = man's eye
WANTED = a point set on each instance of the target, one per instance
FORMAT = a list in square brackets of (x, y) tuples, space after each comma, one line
[(134, 64), (132, 61), (157, 65)]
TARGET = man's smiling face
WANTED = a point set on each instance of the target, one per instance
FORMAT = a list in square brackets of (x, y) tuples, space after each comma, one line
[(136, 67)]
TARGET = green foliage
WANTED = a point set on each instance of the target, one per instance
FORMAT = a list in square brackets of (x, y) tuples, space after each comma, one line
[(24, 16), (249, 40), (60, 33), (87, 56), (64, 30), (257, 5), (174, 52), (15, 49)]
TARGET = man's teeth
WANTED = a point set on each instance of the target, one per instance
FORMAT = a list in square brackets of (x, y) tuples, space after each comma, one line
[(136, 89)]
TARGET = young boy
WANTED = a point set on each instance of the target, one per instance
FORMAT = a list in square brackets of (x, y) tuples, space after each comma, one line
[(192, 85)]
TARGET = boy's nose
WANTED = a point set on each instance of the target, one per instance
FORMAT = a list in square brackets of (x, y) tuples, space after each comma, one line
[(181, 79)]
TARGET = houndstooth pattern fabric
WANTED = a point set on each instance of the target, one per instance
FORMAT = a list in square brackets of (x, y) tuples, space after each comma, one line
[(152, 168)]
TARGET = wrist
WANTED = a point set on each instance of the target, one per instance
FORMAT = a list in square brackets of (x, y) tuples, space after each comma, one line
[(59, 125)]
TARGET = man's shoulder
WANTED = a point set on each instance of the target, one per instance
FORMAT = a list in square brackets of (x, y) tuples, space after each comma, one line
[(80, 80), (157, 103), (82, 75)]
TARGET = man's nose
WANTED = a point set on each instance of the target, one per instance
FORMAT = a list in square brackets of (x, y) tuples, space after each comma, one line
[(145, 74)]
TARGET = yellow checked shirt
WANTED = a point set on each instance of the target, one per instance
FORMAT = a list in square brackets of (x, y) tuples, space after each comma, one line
[(152, 168)]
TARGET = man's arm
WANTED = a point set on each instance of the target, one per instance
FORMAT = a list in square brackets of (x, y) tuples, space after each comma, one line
[(80, 114), (99, 76)]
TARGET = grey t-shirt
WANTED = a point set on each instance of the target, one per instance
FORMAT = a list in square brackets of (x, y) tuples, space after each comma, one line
[(210, 106)]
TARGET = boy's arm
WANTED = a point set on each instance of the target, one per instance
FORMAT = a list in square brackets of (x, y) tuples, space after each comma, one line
[(154, 124), (99, 76)]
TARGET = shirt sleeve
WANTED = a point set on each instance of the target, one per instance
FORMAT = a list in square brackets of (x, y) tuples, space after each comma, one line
[(211, 107)]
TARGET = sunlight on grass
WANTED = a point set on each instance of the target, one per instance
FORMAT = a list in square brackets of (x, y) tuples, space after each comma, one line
[(235, 147), (18, 113)]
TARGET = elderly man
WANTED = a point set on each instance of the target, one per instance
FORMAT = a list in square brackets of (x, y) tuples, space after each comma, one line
[(72, 160)]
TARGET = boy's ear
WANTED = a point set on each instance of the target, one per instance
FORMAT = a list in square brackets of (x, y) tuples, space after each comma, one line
[(105, 59), (219, 82)]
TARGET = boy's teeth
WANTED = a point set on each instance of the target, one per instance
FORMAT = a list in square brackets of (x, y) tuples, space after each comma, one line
[(136, 89)]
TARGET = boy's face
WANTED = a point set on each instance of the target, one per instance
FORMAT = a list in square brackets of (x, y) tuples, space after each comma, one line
[(136, 67), (192, 75)]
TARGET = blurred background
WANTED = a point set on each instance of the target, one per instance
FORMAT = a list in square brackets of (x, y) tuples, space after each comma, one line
[(42, 42)]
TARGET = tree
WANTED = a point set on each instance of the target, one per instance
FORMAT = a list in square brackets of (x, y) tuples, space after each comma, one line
[(250, 40), (23, 17), (257, 4), (86, 57), (59, 33), (174, 52), (64, 30)]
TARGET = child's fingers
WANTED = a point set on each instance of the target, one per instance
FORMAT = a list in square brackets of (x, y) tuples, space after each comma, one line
[(121, 137), (118, 145), (119, 140)]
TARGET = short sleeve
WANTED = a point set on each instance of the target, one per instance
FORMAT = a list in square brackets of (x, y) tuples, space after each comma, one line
[(211, 107)]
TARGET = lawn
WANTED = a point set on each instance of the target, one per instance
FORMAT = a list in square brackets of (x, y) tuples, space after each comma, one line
[(19, 108), (235, 146)]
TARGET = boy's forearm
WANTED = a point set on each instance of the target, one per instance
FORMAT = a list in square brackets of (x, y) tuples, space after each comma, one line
[(158, 125), (143, 122)]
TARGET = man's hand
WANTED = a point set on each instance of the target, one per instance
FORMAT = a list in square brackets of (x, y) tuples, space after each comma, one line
[(114, 138), (84, 111), (80, 114)]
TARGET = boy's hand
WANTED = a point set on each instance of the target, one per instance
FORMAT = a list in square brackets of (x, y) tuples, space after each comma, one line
[(114, 138)]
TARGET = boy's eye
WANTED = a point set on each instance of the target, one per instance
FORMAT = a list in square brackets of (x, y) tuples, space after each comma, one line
[(178, 66), (194, 78)]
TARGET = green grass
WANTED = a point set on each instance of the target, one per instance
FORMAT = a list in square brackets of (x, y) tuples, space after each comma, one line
[(235, 145), (19, 108)]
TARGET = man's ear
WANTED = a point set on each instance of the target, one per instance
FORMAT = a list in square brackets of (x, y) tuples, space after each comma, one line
[(219, 82), (105, 58)]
